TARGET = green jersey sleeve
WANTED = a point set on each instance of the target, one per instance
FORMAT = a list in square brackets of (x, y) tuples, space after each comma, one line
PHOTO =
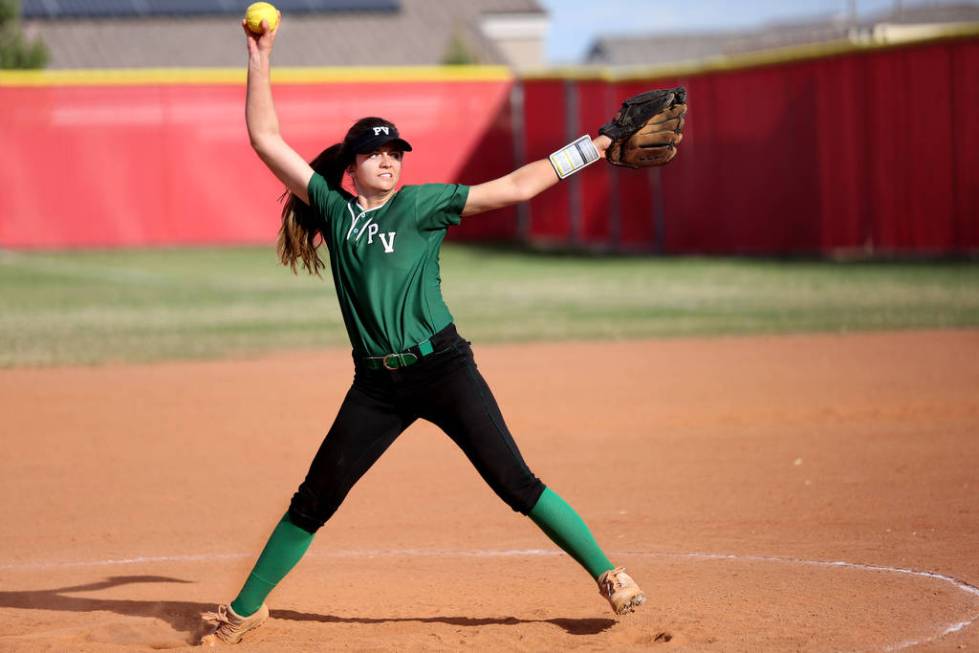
[(439, 206), (324, 199)]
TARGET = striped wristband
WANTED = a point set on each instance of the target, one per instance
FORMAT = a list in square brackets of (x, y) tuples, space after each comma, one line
[(573, 157)]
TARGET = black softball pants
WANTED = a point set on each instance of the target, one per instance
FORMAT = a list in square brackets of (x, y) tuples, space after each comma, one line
[(444, 388)]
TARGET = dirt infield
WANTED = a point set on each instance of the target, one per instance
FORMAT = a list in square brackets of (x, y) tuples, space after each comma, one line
[(727, 474)]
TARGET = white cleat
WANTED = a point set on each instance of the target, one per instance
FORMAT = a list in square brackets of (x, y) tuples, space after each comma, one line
[(621, 591), (229, 628)]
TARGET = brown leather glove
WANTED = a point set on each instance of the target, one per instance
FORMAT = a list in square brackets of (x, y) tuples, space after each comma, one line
[(647, 129)]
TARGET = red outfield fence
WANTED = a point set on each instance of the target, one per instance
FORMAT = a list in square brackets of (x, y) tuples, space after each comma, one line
[(868, 150), (157, 158)]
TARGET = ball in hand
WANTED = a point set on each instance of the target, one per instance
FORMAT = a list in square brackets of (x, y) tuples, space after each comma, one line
[(259, 11)]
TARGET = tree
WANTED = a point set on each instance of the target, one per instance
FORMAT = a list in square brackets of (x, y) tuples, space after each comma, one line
[(457, 53), (15, 50)]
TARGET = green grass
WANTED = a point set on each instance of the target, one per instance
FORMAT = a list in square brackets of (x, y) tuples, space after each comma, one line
[(140, 305)]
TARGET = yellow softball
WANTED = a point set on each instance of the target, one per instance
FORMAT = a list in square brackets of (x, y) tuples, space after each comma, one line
[(259, 11)]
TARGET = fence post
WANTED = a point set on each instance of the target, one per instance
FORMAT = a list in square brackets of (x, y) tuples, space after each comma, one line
[(659, 211), (518, 130), (615, 198), (571, 120)]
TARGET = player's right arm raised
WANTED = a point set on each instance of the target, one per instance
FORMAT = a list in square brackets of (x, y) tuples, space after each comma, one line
[(263, 124)]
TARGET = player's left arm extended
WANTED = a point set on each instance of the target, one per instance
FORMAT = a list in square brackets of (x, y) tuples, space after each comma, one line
[(520, 185)]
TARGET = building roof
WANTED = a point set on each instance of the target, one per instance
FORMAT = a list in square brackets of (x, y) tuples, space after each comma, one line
[(652, 50), (419, 32), (952, 13), (52, 9), (655, 50)]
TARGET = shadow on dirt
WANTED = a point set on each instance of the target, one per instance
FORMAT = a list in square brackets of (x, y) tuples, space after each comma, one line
[(184, 616), (571, 626)]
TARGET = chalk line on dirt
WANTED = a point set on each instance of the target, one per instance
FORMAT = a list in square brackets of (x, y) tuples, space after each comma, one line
[(956, 583), (508, 553), (350, 553)]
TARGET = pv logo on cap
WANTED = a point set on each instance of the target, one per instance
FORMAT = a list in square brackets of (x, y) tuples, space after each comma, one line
[(378, 130)]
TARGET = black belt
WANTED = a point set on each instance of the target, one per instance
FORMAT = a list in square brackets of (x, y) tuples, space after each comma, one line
[(414, 353)]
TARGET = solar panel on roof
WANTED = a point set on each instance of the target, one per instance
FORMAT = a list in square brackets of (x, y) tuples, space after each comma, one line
[(40, 9)]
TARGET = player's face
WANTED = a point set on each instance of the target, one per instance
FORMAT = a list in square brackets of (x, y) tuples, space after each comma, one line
[(379, 170)]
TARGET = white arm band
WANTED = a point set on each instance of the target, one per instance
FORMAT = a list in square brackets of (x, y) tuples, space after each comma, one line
[(573, 157)]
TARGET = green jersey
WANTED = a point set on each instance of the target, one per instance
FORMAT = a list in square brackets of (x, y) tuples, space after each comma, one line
[(385, 262)]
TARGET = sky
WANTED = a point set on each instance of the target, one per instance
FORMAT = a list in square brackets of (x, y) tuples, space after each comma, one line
[(575, 23)]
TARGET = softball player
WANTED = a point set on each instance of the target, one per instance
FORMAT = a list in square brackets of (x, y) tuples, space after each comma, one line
[(409, 361)]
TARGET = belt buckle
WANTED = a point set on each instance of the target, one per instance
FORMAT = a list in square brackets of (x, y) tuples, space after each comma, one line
[(384, 361), (402, 359)]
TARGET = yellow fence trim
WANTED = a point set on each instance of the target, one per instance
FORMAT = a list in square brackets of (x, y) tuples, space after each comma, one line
[(748, 60), (236, 76), (353, 74)]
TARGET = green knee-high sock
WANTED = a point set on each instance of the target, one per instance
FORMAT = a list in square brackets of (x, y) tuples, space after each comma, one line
[(563, 525), (285, 548)]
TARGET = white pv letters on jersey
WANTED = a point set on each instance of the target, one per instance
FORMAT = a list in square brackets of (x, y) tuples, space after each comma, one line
[(372, 229)]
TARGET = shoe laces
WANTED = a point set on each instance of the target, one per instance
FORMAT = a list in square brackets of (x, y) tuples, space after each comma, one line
[(612, 582), (220, 619)]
